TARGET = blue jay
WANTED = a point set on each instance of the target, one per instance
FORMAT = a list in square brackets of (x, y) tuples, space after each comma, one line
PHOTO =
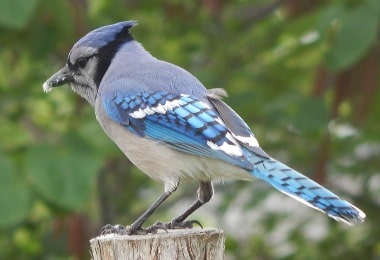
[(174, 129)]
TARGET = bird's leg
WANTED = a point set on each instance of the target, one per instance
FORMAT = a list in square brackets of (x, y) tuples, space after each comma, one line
[(205, 193), (136, 228)]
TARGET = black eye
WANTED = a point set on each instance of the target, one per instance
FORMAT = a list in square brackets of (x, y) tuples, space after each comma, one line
[(81, 62)]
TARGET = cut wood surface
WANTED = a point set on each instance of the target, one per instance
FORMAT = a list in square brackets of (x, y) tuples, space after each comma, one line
[(196, 243)]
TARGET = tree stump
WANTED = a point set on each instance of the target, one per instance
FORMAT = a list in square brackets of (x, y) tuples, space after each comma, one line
[(196, 243)]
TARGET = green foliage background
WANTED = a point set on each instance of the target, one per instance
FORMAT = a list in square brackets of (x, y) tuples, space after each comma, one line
[(304, 75)]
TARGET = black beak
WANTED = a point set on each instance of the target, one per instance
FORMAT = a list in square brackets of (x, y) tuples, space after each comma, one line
[(59, 78)]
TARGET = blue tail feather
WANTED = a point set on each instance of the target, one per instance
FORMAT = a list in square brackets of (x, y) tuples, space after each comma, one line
[(305, 190)]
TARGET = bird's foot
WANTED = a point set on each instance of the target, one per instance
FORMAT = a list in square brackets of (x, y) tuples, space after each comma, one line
[(131, 230), (128, 230), (113, 229), (173, 225)]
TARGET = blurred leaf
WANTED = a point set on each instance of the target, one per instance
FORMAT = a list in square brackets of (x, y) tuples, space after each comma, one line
[(374, 5), (16, 13), (353, 40), (94, 135), (327, 16), (13, 135), (312, 116), (63, 174), (14, 194)]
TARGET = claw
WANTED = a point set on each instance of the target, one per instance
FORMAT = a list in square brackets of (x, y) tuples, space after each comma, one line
[(184, 224), (158, 226), (113, 229), (122, 230), (172, 225), (138, 231)]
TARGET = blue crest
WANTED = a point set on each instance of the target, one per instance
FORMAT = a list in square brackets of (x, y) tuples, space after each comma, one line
[(102, 36)]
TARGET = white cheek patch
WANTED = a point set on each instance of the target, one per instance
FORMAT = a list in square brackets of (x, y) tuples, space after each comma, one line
[(159, 108), (91, 67)]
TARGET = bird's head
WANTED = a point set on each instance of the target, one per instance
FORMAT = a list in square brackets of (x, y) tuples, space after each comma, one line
[(90, 58)]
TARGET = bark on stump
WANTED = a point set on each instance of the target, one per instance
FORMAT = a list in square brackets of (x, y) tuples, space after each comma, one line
[(196, 243)]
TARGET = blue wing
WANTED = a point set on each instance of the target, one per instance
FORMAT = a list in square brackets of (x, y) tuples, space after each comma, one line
[(180, 121)]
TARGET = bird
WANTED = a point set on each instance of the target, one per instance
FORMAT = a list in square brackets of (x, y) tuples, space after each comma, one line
[(174, 129)]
